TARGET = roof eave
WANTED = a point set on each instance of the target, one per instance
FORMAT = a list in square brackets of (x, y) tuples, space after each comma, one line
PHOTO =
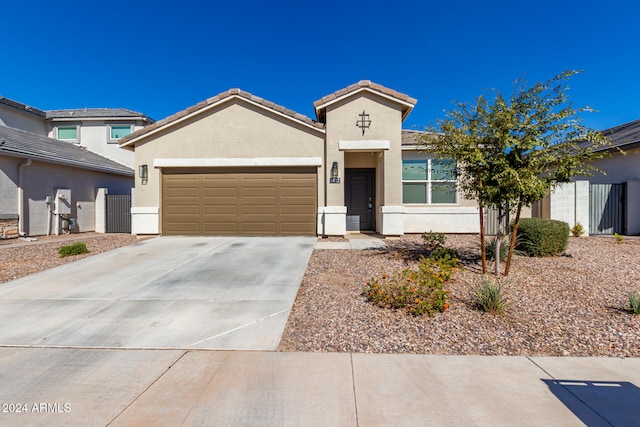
[(131, 139), (406, 106), (67, 162)]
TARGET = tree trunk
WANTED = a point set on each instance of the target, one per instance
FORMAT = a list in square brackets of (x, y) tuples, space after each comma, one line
[(498, 240), (483, 246), (483, 249), (514, 234)]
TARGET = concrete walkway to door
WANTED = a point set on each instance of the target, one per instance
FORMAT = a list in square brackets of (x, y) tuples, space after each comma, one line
[(231, 293)]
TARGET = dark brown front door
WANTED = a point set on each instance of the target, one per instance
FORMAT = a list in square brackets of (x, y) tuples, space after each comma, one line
[(359, 195)]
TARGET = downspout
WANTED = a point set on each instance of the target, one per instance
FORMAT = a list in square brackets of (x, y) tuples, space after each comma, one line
[(22, 165)]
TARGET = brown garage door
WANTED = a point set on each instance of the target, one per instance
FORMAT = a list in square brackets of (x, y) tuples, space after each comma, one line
[(239, 202)]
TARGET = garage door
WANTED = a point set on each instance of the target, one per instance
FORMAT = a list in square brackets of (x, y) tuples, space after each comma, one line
[(249, 202)]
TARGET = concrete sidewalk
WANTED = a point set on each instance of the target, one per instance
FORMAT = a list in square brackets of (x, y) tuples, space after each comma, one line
[(354, 241), (58, 387)]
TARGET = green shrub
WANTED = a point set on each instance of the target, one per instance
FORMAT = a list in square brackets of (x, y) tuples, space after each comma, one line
[(542, 237), (433, 240), (490, 297), (577, 230), (634, 302), (417, 291), (443, 253), (76, 248), (619, 238)]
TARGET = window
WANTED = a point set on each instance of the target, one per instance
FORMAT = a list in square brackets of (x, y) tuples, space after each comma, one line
[(68, 133), (118, 131), (428, 181)]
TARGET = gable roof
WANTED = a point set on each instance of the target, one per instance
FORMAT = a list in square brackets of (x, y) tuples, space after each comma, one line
[(22, 107), (22, 144), (406, 101), (96, 113), (217, 100)]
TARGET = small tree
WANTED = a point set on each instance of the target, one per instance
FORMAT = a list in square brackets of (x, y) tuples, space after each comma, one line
[(512, 151)]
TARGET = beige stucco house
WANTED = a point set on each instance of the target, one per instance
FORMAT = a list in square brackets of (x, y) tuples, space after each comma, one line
[(237, 164)]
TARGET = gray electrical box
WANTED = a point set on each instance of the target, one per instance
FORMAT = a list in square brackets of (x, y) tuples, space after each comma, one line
[(62, 202)]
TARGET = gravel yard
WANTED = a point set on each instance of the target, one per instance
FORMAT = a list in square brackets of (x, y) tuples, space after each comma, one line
[(571, 305), (19, 258)]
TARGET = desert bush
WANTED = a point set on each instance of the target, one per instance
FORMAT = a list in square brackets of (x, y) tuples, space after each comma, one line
[(443, 253), (542, 237), (490, 296), (490, 248), (417, 291), (577, 230), (76, 248), (619, 238), (433, 240), (634, 302)]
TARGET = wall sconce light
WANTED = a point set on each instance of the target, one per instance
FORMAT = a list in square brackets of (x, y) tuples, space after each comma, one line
[(144, 173), (334, 174)]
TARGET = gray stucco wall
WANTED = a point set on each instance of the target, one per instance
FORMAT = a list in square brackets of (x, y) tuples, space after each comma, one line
[(21, 120), (8, 183), (42, 179)]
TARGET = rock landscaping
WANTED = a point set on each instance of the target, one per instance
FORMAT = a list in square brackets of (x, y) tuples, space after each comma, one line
[(571, 305)]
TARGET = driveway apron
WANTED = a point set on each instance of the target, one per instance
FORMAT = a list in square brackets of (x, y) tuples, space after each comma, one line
[(232, 293)]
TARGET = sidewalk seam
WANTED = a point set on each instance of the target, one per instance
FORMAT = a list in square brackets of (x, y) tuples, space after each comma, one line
[(171, 365), (353, 385)]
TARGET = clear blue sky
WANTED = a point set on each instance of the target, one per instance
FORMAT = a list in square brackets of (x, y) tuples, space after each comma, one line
[(159, 57)]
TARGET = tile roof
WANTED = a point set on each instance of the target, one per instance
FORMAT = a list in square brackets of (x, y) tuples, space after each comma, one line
[(363, 84), (216, 99), (624, 135), (19, 143), (410, 137), (88, 113), (21, 106)]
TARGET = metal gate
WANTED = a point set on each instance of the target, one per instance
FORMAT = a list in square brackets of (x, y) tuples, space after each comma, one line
[(606, 208), (491, 222), (118, 213)]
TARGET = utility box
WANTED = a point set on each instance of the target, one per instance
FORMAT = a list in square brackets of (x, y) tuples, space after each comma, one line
[(62, 202)]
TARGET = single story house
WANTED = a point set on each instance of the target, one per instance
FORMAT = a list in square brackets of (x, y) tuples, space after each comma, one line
[(237, 164), (49, 186)]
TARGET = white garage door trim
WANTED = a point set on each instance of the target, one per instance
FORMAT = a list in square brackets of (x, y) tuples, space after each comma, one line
[(237, 162)]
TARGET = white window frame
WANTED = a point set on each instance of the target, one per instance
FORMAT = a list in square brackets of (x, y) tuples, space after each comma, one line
[(76, 139), (110, 125), (429, 181)]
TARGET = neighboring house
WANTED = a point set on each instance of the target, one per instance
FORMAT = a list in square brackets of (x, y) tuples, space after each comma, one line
[(237, 164), (603, 203), (97, 129), (49, 186)]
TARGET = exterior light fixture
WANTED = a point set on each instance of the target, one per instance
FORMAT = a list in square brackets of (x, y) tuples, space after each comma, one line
[(334, 174), (144, 173)]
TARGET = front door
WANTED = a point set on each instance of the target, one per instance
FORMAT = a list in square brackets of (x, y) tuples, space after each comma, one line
[(359, 195)]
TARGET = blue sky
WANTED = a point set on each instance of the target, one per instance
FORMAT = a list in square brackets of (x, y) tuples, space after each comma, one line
[(161, 57)]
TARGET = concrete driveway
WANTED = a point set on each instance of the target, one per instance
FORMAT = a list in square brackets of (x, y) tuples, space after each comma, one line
[(166, 293)]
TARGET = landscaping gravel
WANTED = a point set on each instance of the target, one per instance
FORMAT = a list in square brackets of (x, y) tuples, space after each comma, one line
[(19, 258), (572, 305)]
